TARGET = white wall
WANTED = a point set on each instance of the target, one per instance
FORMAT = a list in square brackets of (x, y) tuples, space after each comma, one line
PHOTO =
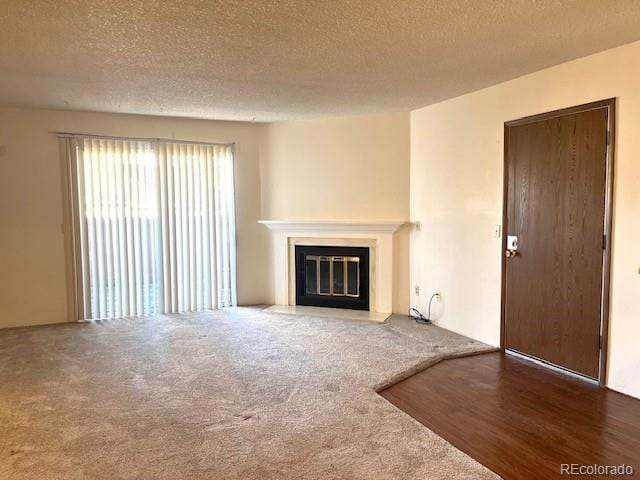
[(341, 169), (33, 287), (456, 192)]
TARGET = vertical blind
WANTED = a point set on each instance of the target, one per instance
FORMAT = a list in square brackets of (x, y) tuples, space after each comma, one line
[(154, 226)]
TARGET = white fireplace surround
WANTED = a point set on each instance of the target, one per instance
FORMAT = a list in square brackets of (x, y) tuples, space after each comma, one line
[(376, 235)]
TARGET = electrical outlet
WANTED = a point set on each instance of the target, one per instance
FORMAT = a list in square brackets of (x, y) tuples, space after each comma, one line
[(438, 294), (497, 231), (417, 290)]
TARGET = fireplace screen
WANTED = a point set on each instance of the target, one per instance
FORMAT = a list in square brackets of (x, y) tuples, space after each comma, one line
[(332, 276)]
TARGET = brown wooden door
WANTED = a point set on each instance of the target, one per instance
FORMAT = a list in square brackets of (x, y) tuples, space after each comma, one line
[(555, 205)]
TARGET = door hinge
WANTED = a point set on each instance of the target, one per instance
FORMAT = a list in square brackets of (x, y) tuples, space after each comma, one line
[(604, 242), (600, 342), (608, 137)]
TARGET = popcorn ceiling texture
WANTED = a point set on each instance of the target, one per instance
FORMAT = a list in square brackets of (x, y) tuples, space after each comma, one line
[(287, 59), (235, 394)]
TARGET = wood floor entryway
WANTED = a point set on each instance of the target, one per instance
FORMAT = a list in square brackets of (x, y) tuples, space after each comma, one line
[(558, 173), (519, 419)]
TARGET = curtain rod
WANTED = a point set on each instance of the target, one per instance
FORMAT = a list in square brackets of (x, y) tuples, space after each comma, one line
[(139, 139)]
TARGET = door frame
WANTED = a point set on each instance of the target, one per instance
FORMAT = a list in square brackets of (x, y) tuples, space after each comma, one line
[(610, 105)]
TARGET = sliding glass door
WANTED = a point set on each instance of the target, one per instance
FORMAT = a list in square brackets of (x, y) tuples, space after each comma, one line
[(153, 226)]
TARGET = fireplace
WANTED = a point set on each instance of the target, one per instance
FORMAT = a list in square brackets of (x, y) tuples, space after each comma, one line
[(375, 236), (328, 276)]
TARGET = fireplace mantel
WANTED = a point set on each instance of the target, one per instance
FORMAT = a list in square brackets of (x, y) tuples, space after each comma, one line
[(374, 226), (377, 235)]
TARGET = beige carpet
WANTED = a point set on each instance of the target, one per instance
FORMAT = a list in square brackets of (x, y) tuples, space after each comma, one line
[(233, 394)]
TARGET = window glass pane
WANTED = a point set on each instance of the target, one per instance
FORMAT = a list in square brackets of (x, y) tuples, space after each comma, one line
[(353, 280), (338, 275), (311, 275), (325, 282)]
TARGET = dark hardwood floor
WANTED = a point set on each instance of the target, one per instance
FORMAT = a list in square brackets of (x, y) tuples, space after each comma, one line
[(519, 419)]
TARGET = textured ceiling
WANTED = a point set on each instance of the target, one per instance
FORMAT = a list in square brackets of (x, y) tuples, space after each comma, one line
[(272, 60)]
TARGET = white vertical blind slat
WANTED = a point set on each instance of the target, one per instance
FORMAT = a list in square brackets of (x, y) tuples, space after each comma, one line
[(114, 279), (179, 229), (122, 238), (145, 241), (75, 150), (226, 292), (204, 233), (171, 211), (213, 234), (197, 188), (183, 231), (219, 233), (229, 185), (96, 165), (89, 275), (162, 226), (129, 278), (191, 228)]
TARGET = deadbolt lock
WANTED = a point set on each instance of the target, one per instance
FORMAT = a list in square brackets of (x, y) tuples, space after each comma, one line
[(512, 246)]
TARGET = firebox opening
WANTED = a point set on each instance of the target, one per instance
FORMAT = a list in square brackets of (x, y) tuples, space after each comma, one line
[(332, 277)]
